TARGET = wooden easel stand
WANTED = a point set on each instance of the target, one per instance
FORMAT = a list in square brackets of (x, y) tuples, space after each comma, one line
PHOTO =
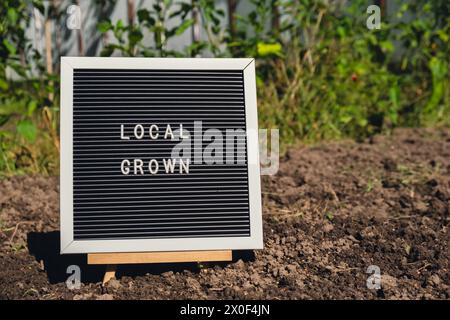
[(111, 260)]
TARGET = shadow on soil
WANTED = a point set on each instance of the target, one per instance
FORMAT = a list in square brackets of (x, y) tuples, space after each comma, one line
[(44, 246)]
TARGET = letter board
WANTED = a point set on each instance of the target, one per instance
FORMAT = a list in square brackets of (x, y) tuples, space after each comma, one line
[(159, 154)]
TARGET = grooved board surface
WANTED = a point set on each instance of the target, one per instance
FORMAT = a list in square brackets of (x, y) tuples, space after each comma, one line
[(211, 201)]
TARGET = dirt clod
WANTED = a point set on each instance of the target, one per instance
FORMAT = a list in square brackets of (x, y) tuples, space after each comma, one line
[(114, 284), (105, 296)]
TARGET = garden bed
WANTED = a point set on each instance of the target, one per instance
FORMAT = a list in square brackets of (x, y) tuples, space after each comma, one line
[(332, 211)]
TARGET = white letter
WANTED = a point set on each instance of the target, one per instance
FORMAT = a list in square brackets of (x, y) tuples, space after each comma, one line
[(141, 134), (152, 135), (182, 136), (138, 165), (125, 170), (168, 132), (153, 163), (169, 165), (184, 165), (122, 133)]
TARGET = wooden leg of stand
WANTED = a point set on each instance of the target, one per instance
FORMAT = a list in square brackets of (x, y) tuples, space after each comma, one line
[(109, 273)]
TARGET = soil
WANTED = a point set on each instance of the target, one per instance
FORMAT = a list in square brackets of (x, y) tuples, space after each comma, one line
[(332, 211)]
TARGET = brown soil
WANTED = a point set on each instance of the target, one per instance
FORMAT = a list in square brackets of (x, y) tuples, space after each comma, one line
[(331, 212)]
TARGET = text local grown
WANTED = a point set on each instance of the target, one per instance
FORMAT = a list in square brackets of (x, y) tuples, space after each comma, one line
[(138, 167)]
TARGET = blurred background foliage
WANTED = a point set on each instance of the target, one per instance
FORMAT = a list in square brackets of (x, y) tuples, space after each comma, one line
[(321, 73)]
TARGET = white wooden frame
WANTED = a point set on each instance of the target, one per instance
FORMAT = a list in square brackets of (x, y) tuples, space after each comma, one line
[(69, 245)]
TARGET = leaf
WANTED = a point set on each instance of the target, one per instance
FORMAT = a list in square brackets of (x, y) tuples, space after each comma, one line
[(438, 69), (393, 96), (443, 35), (259, 81), (12, 16), (3, 84), (145, 17), (341, 31), (119, 25), (4, 119), (387, 46), (32, 106), (104, 26), (27, 130), (267, 49), (345, 119), (9, 46), (135, 36), (363, 122), (107, 51), (182, 28)]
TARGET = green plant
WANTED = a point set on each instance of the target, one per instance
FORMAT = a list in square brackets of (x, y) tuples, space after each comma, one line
[(321, 74), (14, 44), (334, 78), (206, 13), (253, 37), (329, 216), (130, 37), (423, 32), (29, 138)]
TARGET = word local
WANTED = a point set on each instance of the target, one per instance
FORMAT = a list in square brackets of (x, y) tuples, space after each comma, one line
[(153, 132), (137, 166)]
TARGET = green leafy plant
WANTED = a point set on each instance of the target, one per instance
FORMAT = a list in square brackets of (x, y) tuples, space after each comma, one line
[(29, 138), (209, 16), (321, 74), (333, 77), (130, 37)]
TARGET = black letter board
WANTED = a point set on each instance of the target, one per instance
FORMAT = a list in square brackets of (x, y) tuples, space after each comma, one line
[(159, 155)]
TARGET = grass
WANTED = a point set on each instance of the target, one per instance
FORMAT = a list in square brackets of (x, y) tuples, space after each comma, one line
[(417, 173)]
